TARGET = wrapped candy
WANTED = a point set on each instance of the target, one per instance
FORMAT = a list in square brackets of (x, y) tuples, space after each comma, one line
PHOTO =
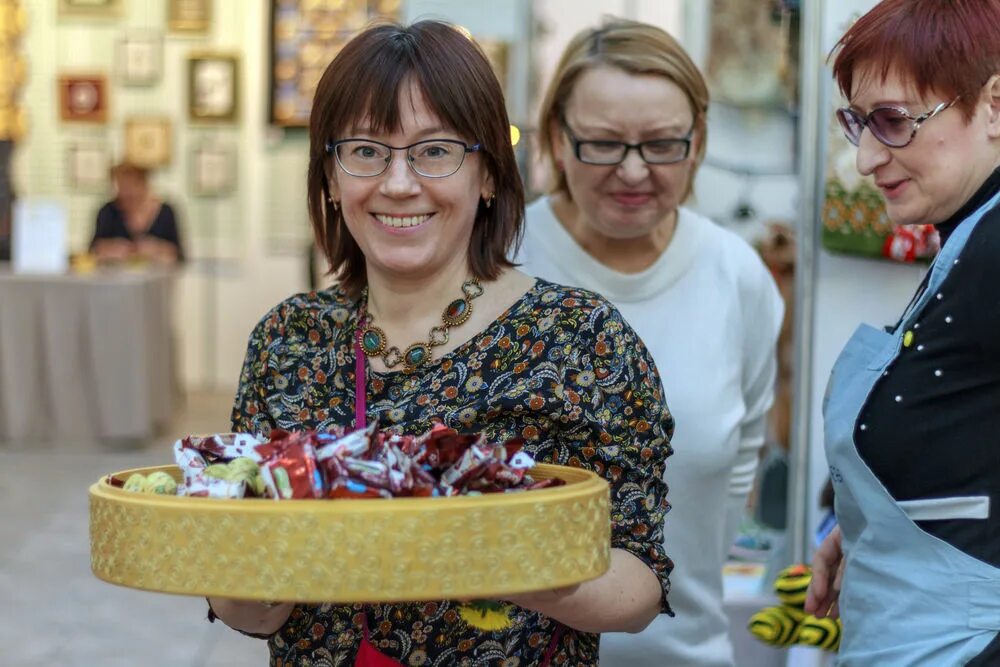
[(160, 482), (367, 463)]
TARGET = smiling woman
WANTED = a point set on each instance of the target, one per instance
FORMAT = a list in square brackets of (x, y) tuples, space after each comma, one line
[(416, 199)]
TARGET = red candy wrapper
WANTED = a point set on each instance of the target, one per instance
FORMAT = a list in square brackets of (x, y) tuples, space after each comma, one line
[(289, 466), (362, 464)]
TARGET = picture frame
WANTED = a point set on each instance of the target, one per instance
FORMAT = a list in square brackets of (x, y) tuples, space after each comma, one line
[(83, 98), (148, 141), (496, 51), (87, 166), (213, 169), (190, 16), (90, 8), (305, 35), (213, 87), (139, 58)]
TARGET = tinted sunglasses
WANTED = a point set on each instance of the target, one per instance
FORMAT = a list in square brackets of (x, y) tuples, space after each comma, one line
[(893, 126)]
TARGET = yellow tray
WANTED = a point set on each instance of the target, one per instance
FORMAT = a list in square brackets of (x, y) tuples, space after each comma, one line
[(403, 549)]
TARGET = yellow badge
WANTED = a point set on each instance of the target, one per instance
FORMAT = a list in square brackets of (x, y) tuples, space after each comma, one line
[(908, 339)]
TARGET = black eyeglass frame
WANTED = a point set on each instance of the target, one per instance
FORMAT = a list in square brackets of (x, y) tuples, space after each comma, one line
[(331, 149), (578, 143), (865, 121)]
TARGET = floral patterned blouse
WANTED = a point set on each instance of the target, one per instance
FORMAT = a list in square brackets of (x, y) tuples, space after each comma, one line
[(560, 369)]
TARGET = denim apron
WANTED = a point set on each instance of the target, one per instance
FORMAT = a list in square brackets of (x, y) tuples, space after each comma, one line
[(908, 597)]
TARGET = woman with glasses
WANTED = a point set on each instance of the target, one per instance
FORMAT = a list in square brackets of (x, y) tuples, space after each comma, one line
[(912, 413), (416, 199), (623, 124)]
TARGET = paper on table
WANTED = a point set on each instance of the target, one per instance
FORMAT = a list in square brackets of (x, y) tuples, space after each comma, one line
[(40, 239)]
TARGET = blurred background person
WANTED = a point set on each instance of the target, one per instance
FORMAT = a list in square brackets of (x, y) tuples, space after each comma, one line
[(136, 224), (624, 126)]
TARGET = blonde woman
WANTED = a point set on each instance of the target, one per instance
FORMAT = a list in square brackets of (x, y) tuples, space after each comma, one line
[(623, 123)]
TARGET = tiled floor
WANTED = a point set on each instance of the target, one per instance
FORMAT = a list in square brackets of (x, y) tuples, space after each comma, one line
[(53, 611)]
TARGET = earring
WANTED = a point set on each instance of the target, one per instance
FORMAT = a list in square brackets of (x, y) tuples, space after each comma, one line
[(489, 200)]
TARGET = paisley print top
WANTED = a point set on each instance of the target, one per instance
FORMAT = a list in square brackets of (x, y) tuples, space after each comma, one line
[(560, 369)]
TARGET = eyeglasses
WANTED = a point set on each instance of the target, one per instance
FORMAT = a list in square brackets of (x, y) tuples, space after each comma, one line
[(893, 126), (606, 153), (433, 158)]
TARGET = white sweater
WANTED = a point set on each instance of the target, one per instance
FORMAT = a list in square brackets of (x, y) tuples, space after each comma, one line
[(709, 312)]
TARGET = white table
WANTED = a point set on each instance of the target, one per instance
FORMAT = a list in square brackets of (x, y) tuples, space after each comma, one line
[(86, 356)]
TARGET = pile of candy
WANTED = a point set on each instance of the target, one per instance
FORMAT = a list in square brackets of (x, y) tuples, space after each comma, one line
[(362, 464)]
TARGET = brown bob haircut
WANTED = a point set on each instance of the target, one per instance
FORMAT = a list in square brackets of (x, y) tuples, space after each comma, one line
[(635, 48), (364, 83), (950, 48)]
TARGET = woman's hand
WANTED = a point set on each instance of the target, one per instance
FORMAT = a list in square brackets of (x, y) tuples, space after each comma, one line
[(827, 575), (255, 617)]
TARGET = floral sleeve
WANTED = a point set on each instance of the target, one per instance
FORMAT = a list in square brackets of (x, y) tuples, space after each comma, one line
[(622, 428), (251, 413)]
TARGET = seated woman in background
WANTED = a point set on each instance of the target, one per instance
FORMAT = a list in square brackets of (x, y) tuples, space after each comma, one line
[(136, 224)]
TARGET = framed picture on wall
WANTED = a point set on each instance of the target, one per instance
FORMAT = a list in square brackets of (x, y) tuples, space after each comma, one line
[(213, 87), (496, 53), (139, 58), (213, 170), (148, 141), (93, 8), (87, 165), (83, 98), (305, 37), (193, 16)]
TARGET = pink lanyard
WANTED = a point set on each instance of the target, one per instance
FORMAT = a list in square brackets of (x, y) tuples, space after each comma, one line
[(360, 422), (360, 381)]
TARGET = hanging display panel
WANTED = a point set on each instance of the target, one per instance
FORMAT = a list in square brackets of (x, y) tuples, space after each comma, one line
[(305, 37)]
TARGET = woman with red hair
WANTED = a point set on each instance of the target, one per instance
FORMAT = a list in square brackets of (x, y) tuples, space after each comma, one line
[(911, 415)]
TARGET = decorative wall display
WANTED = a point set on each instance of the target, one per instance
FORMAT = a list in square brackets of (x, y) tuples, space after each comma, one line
[(753, 53), (139, 58), (13, 71), (213, 87), (305, 37), (189, 15), (83, 98), (213, 170), (854, 216), (148, 141), (95, 8), (87, 166), (496, 53)]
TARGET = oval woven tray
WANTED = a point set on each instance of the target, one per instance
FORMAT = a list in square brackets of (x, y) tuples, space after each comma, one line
[(403, 549)]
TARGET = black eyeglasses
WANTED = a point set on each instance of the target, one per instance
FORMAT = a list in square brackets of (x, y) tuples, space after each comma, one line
[(893, 126), (607, 153), (432, 158)]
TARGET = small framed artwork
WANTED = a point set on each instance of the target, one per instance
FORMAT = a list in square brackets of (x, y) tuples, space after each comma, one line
[(148, 141), (213, 87), (194, 16), (213, 170), (87, 166), (496, 52), (92, 8), (140, 58), (83, 98)]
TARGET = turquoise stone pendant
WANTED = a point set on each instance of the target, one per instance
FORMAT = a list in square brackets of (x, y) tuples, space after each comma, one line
[(416, 354), (373, 341)]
